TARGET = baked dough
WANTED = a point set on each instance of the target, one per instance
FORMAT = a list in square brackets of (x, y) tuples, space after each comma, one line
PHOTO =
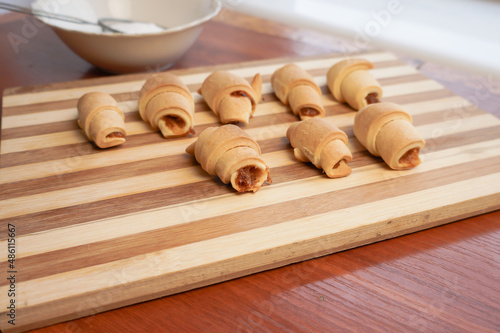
[(101, 119), (350, 81), (296, 87), (231, 97), (232, 155), (386, 130), (165, 102), (318, 141)]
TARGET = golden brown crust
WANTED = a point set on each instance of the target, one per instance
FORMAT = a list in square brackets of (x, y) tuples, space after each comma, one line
[(231, 97), (350, 81), (296, 87), (385, 130), (164, 96), (101, 119), (318, 141), (232, 155)]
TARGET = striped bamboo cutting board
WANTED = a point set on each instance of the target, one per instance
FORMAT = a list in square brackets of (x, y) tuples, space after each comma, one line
[(99, 229)]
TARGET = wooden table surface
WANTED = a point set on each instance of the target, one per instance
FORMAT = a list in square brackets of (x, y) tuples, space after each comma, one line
[(445, 279)]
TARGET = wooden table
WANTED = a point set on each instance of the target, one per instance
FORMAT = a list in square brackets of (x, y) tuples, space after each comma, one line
[(439, 280)]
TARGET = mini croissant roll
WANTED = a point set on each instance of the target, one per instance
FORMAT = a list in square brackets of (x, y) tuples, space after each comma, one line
[(231, 97), (232, 155), (165, 102), (322, 143), (386, 130), (101, 119), (350, 81), (296, 87)]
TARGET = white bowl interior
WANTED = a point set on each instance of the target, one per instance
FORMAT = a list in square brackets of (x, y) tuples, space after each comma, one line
[(170, 14), (125, 53)]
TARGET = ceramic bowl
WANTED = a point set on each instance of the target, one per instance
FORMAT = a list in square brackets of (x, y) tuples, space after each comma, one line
[(138, 52)]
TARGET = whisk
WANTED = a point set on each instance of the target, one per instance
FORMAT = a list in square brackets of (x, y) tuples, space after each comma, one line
[(102, 22)]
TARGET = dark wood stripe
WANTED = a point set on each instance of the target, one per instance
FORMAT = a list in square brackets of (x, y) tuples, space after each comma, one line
[(85, 148), (151, 288), (389, 81), (54, 127), (148, 242), (128, 96), (323, 70), (451, 114), (57, 105), (461, 139), (86, 177), (50, 219), (41, 129), (68, 151), (425, 96), (96, 175)]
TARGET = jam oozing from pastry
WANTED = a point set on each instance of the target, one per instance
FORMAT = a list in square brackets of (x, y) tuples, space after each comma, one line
[(309, 112), (248, 178), (175, 123), (336, 166), (410, 158), (238, 93), (115, 135), (372, 98)]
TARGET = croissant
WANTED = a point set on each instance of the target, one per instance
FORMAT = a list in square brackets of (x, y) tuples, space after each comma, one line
[(165, 102), (101, 119), (232, 155), (385, 130), (295, 87), (322, 143), (231, 97), (350, 81)]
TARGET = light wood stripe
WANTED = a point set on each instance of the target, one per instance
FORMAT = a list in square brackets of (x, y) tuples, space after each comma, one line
[(208, 252), (47, 117), (129, 86), (206, 208), (384, 70), (74, 137), (75, 150), (108, 158), (140, 184), (185, 193), (160, 163), (195, 231), (110, 222)]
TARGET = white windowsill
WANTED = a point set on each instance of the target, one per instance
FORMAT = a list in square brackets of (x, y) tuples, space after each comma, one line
[(458, 33)]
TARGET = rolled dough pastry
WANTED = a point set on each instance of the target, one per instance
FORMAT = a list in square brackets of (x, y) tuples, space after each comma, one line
[(232, 155), (386, 130), (318, 141), (165, 102), (101, 119), (231, 97), (296, 87), (350, 81)]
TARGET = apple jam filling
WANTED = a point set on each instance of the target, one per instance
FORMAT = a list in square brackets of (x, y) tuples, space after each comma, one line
[(372, 98), (309, 112), (238, 93), (175, 123), (248, 178), (410, 158), (113, 135), (336, 166)]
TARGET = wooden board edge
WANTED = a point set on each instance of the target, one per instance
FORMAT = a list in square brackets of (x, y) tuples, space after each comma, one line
[(110, 79), (88, 304)]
